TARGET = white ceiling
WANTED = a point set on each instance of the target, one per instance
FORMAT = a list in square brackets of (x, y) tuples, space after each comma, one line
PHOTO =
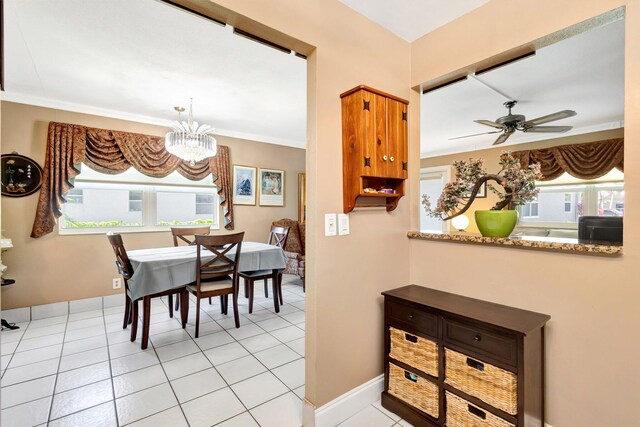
[(584, 73), (138, 59), (412, 19)]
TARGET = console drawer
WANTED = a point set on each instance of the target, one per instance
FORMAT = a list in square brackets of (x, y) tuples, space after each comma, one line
[(418, 319), (413, 350), (414, 390), (495, 386), (461, 413), (501, 347)]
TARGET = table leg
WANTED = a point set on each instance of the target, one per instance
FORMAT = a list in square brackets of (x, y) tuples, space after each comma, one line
[(184, 307), (146, 317), (274, 281)]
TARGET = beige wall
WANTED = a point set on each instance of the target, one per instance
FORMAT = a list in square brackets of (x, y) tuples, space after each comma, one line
[(491, 157), (59, 268), (345, 274), (591, 347)]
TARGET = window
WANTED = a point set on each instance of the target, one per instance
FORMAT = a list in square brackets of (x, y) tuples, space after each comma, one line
[(561, 202), (530, 209), (432, 181), (568, 207), (134, 202), (204, 204), (74, 196)]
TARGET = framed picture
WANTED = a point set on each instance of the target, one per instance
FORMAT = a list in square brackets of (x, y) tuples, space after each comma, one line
[(244, 185), (271, 187), (21, 176), (302, 197), (483, 191)]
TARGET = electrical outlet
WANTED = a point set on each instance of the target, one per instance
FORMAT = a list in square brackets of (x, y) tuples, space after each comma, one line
[(117, 283)]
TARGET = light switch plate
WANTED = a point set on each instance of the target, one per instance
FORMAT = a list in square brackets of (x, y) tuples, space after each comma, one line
[(330, 224), (343, 224)]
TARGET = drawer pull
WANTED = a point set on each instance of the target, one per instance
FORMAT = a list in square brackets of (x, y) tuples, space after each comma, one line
[(477, 338), (475, 364), (411, 316), (410, 376), (411, 338), (477, 412)]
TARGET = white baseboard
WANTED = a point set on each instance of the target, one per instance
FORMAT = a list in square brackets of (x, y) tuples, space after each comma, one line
[(349, 404), (343, 407), (37, 312)]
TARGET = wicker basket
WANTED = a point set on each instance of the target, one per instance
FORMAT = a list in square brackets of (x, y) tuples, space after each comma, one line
[(415, 351), (413, 389), (495, 386), (461, 413)]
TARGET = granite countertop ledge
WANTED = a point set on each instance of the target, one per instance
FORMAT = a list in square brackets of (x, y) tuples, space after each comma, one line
[(524, 242)]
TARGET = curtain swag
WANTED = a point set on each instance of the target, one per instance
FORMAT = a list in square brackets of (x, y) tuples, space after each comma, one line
[(113, 152), (585, 161)]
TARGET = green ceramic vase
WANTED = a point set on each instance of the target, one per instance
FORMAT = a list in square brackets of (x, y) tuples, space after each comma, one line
[(496, 223)]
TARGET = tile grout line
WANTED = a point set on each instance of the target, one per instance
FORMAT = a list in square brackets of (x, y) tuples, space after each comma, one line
[(55, 383)]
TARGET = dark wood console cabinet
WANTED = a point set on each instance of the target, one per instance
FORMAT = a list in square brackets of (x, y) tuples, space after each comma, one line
[(455, 361)]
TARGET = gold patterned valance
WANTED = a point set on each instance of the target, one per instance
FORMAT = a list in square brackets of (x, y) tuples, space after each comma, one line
[(585, 161), (113, 152)]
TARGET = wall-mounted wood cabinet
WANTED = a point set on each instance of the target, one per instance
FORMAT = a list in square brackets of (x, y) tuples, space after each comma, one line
[(374, 148)]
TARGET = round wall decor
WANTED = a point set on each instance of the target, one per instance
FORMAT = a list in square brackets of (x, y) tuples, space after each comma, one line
[(21, 176)]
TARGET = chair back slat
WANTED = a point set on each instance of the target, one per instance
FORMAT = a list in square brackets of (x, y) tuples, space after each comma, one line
[(278, 236), (122, 259), (221, 264), (187, 234)]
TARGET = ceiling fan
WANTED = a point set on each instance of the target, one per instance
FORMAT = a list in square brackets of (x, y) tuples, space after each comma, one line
[(510, 123)]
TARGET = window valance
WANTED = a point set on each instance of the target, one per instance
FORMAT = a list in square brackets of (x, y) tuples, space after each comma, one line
[(585, 161), (113, 152)]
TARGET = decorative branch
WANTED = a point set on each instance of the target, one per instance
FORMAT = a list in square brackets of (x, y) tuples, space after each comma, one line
[(518, 186)]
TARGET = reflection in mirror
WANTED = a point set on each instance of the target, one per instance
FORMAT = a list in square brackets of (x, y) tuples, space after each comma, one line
[(569, 93)]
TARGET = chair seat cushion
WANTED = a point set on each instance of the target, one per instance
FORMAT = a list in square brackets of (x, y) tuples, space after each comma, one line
[(256, 273), (214, 284)]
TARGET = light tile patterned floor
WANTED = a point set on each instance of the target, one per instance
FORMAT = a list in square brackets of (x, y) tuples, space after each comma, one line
[(82, 370)]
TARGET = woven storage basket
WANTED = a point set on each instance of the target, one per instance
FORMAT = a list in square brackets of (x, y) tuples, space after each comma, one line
[(461, 413), (413, 389), (495, 386), (415, 351)]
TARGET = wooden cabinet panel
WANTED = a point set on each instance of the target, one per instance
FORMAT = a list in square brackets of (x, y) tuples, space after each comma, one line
[(509, 392), (374, 138)]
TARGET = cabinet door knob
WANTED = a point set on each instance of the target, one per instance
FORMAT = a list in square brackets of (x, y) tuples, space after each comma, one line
[(384, 157), (392, 158), (477, 338), (411, 316)]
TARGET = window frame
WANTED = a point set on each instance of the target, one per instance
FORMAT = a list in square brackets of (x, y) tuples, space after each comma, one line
[(444, 173), (149, 206)]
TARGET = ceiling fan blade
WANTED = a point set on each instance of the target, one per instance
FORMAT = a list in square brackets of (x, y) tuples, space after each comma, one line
[(502, 138), (550, 117), (490, 123), (544, 129), (475, 134)]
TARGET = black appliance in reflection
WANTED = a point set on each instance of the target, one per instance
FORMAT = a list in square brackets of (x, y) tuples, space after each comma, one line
[(607, 229)]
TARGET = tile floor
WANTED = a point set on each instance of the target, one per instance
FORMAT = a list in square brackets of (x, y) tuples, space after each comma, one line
[(82, 370)]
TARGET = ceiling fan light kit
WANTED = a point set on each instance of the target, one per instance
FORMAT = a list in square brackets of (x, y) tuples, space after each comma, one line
[(509, 124)]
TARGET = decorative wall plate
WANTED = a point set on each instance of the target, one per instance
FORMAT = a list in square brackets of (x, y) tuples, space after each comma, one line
[(21, 176)]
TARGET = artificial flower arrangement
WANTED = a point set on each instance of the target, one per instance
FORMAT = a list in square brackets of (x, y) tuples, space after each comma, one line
[(518, 186)]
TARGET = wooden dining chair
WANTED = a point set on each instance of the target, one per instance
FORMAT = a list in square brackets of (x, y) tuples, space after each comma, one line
[(277, 237), (186, 235), (131, 306), (217, 275)]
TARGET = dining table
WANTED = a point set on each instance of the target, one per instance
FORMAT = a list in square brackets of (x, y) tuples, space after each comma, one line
[(161, 269)]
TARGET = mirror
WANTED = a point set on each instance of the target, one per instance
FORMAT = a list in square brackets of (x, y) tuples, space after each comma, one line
[(579, 69)]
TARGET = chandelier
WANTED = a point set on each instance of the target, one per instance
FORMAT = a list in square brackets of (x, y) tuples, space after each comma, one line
[(189, 141)]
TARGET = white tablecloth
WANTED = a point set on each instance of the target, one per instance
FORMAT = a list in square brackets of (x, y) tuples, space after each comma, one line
[(160, 269)]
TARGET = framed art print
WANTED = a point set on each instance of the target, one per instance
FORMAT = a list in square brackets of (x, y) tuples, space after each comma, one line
[(244, 185), (21, 176), (271, 187)]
